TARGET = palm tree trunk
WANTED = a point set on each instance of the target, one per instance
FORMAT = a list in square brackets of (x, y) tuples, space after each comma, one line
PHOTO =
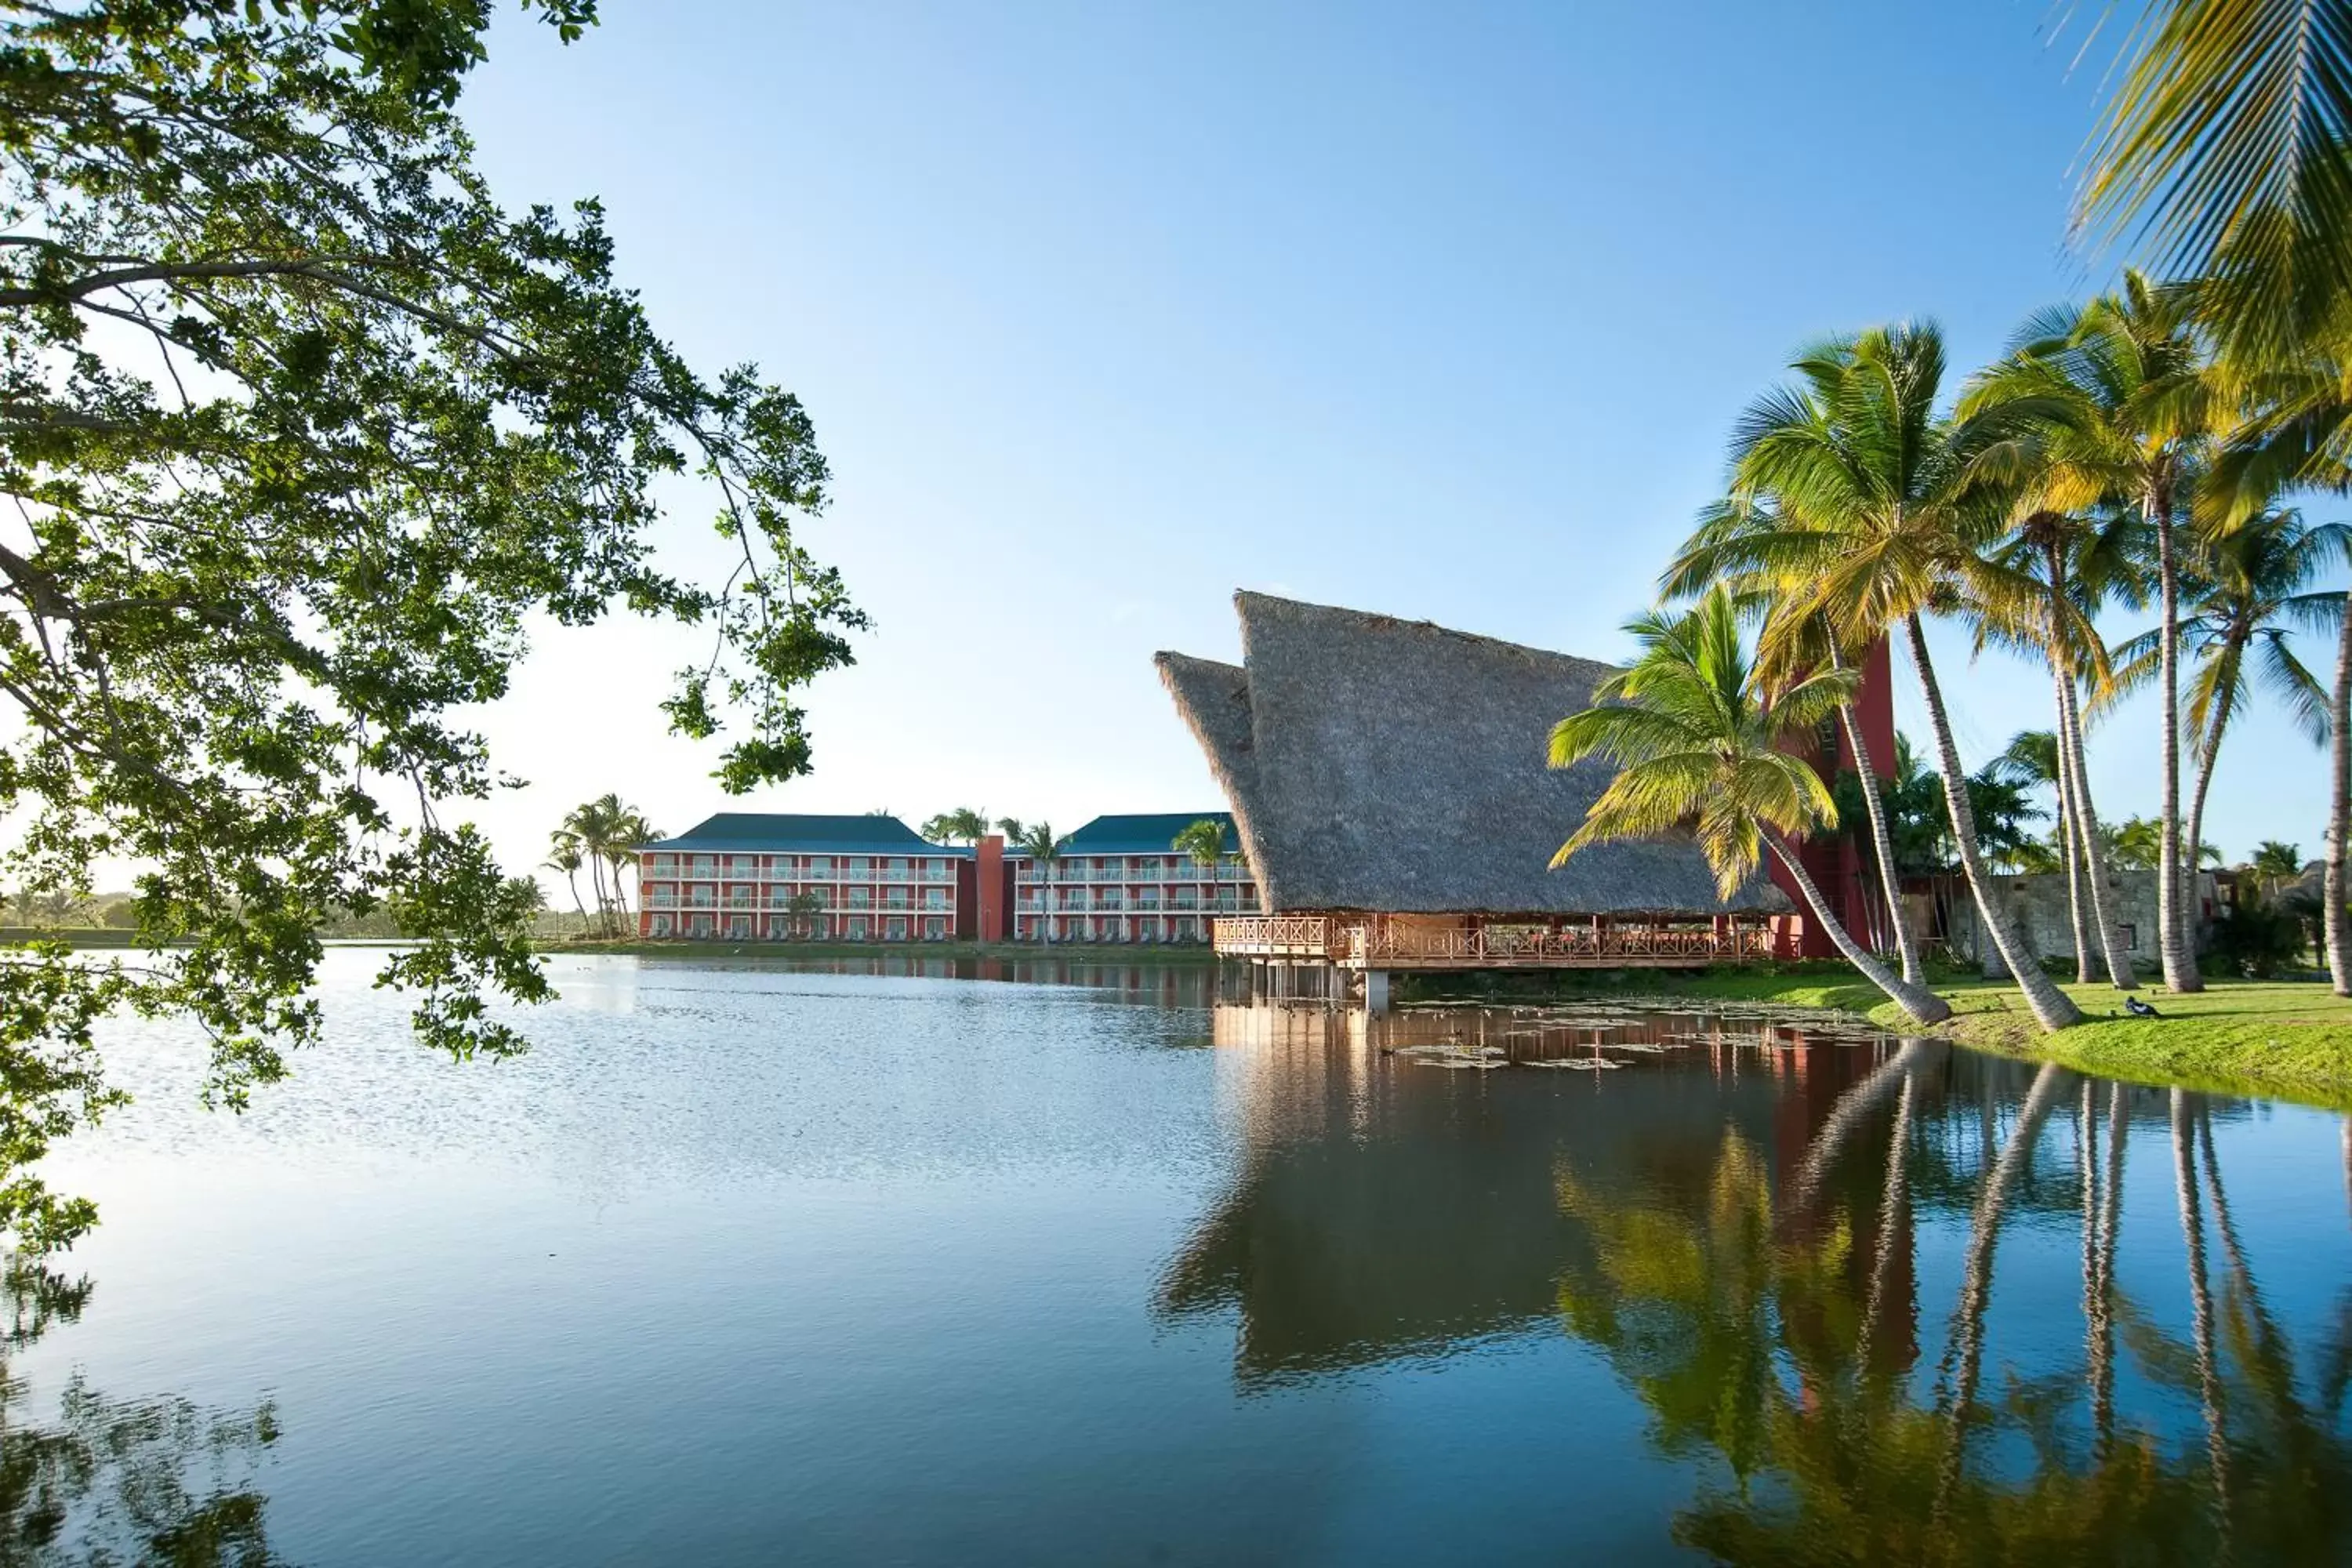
[(2339, 811), (1924, 1005), (2095, 849), (2172, 915), (1965, 1345), (1882, 842), (2086, 962), (1894, 1215), (2111, 1218), (572, 879), (2207, 752), (2200, 1310), (2052, 1007)]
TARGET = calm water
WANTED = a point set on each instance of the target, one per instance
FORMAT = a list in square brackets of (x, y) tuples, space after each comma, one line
[(744, 1265)]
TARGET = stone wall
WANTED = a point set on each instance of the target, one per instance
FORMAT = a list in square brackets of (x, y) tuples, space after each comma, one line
[(2039, 904)]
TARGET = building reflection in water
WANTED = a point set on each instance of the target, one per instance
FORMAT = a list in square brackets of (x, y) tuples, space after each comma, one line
[(1732, 1217), (1178, 982)]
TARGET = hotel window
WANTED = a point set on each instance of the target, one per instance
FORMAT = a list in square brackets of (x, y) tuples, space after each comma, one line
[(897, 868), (705, 866), (855, 930), (820, 865), (895, 929), (858, 868), (934, 928)]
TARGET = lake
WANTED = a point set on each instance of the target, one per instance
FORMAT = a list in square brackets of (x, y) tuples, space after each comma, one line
[(746, 1263)]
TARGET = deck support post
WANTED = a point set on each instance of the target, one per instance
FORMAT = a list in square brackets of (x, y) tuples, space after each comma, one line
[(1376, 991)]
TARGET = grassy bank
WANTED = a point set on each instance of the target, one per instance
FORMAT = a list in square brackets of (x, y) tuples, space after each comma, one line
[(2279, 1038), (1024, 953)]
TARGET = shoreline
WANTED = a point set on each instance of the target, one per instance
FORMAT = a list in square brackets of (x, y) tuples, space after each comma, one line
[(2265, 1039)]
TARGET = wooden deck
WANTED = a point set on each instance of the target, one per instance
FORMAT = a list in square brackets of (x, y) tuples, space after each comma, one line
[(1379, 943)]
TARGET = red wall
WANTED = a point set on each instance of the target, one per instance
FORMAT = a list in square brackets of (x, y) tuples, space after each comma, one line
[(1837, 865)]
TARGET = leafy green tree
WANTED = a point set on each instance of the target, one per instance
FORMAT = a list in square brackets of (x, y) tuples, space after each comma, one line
[(2276, 864), (1883, 522), (302, 426), (1703, 746)]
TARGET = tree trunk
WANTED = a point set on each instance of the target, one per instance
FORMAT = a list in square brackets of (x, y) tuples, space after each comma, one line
[(1965, 1345), (1893, 1214), (2172, 914), (2095, 849), (2078, 892), (1924, 1005), (2208, 751), (1882, 842), (2201, 1311), (2339, 811), (2086, 964), (2103, 1328), (572, 879), (2053, 1009)]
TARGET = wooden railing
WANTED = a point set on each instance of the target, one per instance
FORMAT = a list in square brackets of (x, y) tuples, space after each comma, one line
[(1379, 943), (1277, 936)]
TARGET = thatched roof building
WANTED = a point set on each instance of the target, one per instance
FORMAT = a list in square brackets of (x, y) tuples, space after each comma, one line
[(1380, 764)]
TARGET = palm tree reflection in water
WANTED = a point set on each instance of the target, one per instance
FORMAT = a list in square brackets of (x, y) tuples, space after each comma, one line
[(1729, 1316), (1756, 1232)]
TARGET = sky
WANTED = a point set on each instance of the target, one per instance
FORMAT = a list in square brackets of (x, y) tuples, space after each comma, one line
[(1103, 312)]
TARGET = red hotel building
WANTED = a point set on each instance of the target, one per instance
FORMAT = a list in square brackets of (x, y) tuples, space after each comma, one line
[(1117, 880), (866, 879)]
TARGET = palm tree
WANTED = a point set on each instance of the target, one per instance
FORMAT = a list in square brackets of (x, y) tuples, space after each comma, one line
[(609, 834), (628, 833), (966, 824), (1704, 561), (2275, 864), (1884, 519), (567, 857), (1037, 841), (2123, 400), (2224, 152), (1705, 747), (1204, 841), (2244, 587)]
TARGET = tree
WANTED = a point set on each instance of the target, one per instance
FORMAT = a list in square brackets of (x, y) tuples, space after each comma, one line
[(801, 909), (1701, 564), (566, 857), (1882, 526), (2223, 153), (2125, 403), (302, 426), (967, 825), (2246, 588), (1203, 842), (1705, 747), (2276, 864), (1037, 841)]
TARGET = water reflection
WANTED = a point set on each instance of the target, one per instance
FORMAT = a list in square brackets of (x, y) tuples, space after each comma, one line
[(1788, 1245), (147, 1482), (1181, 982)]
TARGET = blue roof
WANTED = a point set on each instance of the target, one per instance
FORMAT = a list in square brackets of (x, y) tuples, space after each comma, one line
[(1153, 833), (774, 832)]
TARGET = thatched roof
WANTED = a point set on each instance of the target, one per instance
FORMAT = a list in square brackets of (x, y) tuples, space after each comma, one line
[(1374, 763)]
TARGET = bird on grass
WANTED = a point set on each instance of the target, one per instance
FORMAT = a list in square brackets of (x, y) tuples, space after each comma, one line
[(2139, 1009)]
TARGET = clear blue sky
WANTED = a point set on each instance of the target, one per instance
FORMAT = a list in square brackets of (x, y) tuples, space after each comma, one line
[(1104, 311)]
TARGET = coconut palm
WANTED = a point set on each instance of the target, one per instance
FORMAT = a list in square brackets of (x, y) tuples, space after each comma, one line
[(567, 857), (2124, 403), (609, 834), (2224, 153), (1884, 520), (2275, 864), (2246, 588), (966, 824), (1703, 747), (1708, 559), (1204, 841), (1037, 840)]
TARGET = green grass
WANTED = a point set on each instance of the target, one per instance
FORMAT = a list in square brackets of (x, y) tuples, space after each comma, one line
[(2281, 1040)]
